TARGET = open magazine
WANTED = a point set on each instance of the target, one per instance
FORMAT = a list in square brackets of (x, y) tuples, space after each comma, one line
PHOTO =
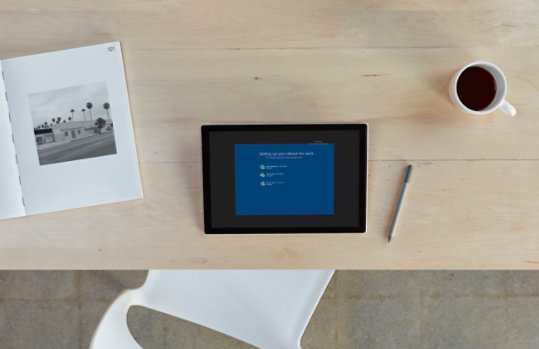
[(66, 135)]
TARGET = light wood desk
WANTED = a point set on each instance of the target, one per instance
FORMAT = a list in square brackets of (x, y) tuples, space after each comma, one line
[(474, 199)]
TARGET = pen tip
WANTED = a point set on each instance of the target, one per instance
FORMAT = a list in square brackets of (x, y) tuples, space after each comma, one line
[(388, 239)]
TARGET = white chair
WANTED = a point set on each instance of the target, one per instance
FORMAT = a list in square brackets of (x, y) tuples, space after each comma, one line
[(265, 308)]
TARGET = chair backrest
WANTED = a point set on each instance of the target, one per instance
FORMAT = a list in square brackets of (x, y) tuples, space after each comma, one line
[(265, 308)]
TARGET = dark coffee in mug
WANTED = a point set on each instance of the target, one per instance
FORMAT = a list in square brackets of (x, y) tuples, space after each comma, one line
[(476, 88)]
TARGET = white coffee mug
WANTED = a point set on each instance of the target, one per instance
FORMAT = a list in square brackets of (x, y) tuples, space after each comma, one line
[(501, 90)]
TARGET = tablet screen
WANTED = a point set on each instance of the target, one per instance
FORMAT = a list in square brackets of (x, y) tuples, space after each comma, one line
[(285, 178)]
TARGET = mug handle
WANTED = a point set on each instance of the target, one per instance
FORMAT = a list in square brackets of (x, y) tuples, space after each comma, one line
[(508, 109)]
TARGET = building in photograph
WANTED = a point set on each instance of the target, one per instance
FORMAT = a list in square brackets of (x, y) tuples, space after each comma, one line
[(44, 136), (69, 131)]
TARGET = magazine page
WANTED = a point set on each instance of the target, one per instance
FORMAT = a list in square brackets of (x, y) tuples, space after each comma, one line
[(11, 204), (72, 128)]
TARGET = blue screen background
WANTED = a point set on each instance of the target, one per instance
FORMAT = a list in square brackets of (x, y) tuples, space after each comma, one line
[(285, 179)]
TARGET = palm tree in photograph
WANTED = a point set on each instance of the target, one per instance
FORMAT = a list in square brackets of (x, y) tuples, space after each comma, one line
[(100, 123), (53, 121), (46, 124), (83, 113), (89, 106), (58, 120), (72, 111), (107, 106), (69, 118)]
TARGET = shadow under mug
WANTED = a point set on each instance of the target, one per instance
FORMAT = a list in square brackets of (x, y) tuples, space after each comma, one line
[(498, 102)]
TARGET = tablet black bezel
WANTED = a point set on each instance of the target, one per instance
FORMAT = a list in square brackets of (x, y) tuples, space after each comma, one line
[(362, 128)]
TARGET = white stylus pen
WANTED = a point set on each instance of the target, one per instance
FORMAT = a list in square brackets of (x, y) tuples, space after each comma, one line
[(399, 205)]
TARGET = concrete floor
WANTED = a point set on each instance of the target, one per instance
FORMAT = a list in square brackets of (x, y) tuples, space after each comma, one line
[(360, 309)]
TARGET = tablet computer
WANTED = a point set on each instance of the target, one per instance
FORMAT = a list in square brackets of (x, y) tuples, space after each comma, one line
[(284, 178)]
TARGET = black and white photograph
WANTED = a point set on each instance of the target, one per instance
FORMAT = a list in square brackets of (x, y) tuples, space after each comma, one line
[(72, 123)]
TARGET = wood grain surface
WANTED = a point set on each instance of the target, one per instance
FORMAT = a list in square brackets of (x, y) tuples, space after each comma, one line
[(473, 202)]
